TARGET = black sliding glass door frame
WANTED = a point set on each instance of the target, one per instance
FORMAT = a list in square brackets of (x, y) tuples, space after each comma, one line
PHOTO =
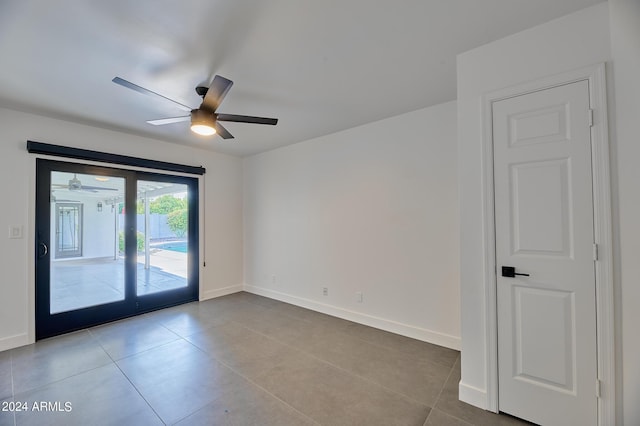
[(50, 324)]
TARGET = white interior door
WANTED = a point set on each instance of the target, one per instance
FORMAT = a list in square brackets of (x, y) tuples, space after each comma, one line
[(544, 228)]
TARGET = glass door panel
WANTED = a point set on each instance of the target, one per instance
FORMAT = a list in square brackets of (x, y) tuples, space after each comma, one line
[(163, 236), (111, 243), (86, 266)]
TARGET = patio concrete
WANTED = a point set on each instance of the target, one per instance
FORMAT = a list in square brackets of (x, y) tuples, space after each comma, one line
[(81, 283)]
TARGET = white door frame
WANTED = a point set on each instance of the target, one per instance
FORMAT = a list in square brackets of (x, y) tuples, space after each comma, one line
[(595, 75)]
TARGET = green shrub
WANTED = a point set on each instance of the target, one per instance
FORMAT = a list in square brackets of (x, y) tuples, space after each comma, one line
[(139, 241), (167, 204), (178, 222)]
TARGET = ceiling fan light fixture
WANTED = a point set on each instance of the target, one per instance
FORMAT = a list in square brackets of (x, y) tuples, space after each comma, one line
[(203, 123), (203, 129)]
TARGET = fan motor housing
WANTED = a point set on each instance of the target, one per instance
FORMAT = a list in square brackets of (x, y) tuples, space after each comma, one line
[(199, 116)]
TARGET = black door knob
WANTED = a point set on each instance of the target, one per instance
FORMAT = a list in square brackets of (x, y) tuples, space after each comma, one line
[(510, 272)]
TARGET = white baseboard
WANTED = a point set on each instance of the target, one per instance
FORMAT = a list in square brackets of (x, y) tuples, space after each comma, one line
[(16, 341), (472, 395), (425, 335), (217, 292)]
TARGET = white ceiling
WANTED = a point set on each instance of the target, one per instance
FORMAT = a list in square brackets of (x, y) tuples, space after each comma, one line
[(319, 66)]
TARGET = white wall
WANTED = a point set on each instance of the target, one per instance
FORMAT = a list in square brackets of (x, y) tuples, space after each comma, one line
[(372, 209), (98, 230), (625, 42), (565, 44), (222, 197)]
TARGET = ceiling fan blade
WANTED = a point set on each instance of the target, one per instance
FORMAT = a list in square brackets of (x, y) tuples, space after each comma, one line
[(162, 121), (129, 85), (97, 188), (224, 133), (216, 93), (247, 119)]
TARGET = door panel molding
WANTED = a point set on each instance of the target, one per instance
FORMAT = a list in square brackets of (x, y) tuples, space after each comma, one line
[(603, 229)]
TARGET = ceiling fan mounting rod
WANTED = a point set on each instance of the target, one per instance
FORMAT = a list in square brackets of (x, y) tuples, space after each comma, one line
[(202, 91)]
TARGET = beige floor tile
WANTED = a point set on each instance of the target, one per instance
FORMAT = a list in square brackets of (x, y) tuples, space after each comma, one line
[(7, 416), (246, 352), (331, 396), (247, 405), (438, 418), (102, 396), (434, 353), (415, 377), (134, 335), (54, 359), (178, 379)]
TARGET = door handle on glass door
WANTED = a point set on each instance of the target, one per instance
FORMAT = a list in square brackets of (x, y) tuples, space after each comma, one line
[(510, 272), (44, 250)]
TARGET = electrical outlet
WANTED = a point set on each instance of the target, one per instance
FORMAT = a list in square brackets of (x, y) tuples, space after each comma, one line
[(359, 296), (273, 279), (325, 291)]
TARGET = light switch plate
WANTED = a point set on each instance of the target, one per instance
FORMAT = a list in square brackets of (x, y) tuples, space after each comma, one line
[(15, 231)]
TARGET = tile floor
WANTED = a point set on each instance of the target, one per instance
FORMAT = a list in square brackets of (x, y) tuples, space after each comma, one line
[(241, 359)]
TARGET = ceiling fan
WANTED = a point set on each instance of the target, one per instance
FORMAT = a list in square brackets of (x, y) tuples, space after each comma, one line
[(204, 119), (75, 185)]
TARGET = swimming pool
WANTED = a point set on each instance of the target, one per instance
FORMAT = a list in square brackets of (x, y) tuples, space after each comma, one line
[(179, 246)]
